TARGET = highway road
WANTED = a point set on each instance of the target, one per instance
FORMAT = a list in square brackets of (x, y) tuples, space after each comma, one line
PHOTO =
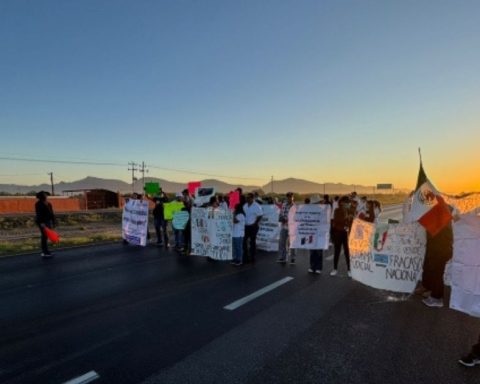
[(124, 314)]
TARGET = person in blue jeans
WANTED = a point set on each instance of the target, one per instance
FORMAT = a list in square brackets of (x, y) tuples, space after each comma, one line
[(238, 234)]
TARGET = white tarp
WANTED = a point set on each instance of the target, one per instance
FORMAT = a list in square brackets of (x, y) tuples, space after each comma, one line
[(469, 204), (387, 257), (465, 268), (212, 233), (135, 222), (268, 234), (309, 226)]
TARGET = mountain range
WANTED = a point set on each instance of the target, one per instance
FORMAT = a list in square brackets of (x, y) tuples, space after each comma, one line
[(279, 186)]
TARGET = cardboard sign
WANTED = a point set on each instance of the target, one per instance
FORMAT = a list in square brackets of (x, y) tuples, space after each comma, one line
[(135, 222), (309, 226)]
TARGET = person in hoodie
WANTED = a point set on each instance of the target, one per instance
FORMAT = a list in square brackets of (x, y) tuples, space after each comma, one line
[(44, 218)]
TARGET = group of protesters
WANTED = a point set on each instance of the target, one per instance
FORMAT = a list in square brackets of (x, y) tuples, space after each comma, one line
[(248, 213)]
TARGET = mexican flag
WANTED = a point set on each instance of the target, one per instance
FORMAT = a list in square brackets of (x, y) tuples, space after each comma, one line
[(428, 206)]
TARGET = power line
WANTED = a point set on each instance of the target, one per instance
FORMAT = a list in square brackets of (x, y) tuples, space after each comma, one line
[(99, 163)]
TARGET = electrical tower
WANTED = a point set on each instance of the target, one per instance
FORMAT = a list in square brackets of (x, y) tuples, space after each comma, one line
[(143, 170), (51, 182), (133, 169)]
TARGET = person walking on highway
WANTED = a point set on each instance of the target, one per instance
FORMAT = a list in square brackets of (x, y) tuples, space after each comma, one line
[(341, 223), (284, 237), (253, 215), (44, 218)]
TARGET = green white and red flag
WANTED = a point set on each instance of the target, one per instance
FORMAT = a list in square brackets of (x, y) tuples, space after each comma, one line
[(428, 206)]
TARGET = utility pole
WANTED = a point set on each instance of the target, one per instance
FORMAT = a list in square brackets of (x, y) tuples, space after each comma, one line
[(133, 169), (143, 170), (51, 182), (324, 189), (271, 184)]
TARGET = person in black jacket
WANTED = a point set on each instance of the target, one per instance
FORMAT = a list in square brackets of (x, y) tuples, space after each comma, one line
[(341, 223), (44, 217)]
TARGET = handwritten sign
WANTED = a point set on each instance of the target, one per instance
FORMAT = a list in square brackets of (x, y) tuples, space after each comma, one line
[(152, 188), (309, 226), (203, 195), (385, 256), (268, 234), (465, 267), (180, 220), (212, 233), (234, 199), (135, 222), (170, 208), (192, 187)]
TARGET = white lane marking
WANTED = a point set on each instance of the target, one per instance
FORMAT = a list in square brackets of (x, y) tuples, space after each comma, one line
[(84, 379), (329, 258), (254, 295)]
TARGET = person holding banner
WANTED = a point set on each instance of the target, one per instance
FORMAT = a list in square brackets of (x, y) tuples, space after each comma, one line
[(44, 218), (253, 215), (159, 221), (238, 234), (340, 227), (439, 251), (284, 243)]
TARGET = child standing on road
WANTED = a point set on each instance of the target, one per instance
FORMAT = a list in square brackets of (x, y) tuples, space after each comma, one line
[(238, 234)]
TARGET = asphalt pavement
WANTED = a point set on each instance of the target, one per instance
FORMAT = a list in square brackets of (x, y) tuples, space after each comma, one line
[(125, 314)]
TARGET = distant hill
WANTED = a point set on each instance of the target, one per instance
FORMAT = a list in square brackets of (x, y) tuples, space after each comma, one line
[(279, 186), (305, 186)]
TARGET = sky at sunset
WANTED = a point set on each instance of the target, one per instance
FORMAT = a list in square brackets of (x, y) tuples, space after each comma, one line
[(328, 91)]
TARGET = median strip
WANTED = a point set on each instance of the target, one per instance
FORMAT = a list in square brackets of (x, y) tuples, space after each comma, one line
[(254, 295)]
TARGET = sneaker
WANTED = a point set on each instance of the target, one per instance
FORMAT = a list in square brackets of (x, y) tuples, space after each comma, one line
[(318, 272), (233, 263), (46, 255), (238, 264), (334, 273), (292, 261), (349, 274), (470, 360), (281, 261), (310, 270), (432, 302)]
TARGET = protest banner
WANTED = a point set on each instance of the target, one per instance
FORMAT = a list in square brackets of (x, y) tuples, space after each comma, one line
[(203, 195), (170, 208), (152, 188), (465, 267), (135, 222), (233, 199), (309, 226), (212, 233), (192, 187), (180, 220), (387, 256), (268, 234)]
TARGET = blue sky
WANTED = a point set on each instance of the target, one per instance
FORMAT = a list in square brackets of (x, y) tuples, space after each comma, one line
[(338, 91)]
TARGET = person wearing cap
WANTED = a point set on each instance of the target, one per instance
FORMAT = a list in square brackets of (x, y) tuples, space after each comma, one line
[(284, 236), (44, 218), (253, 214)]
